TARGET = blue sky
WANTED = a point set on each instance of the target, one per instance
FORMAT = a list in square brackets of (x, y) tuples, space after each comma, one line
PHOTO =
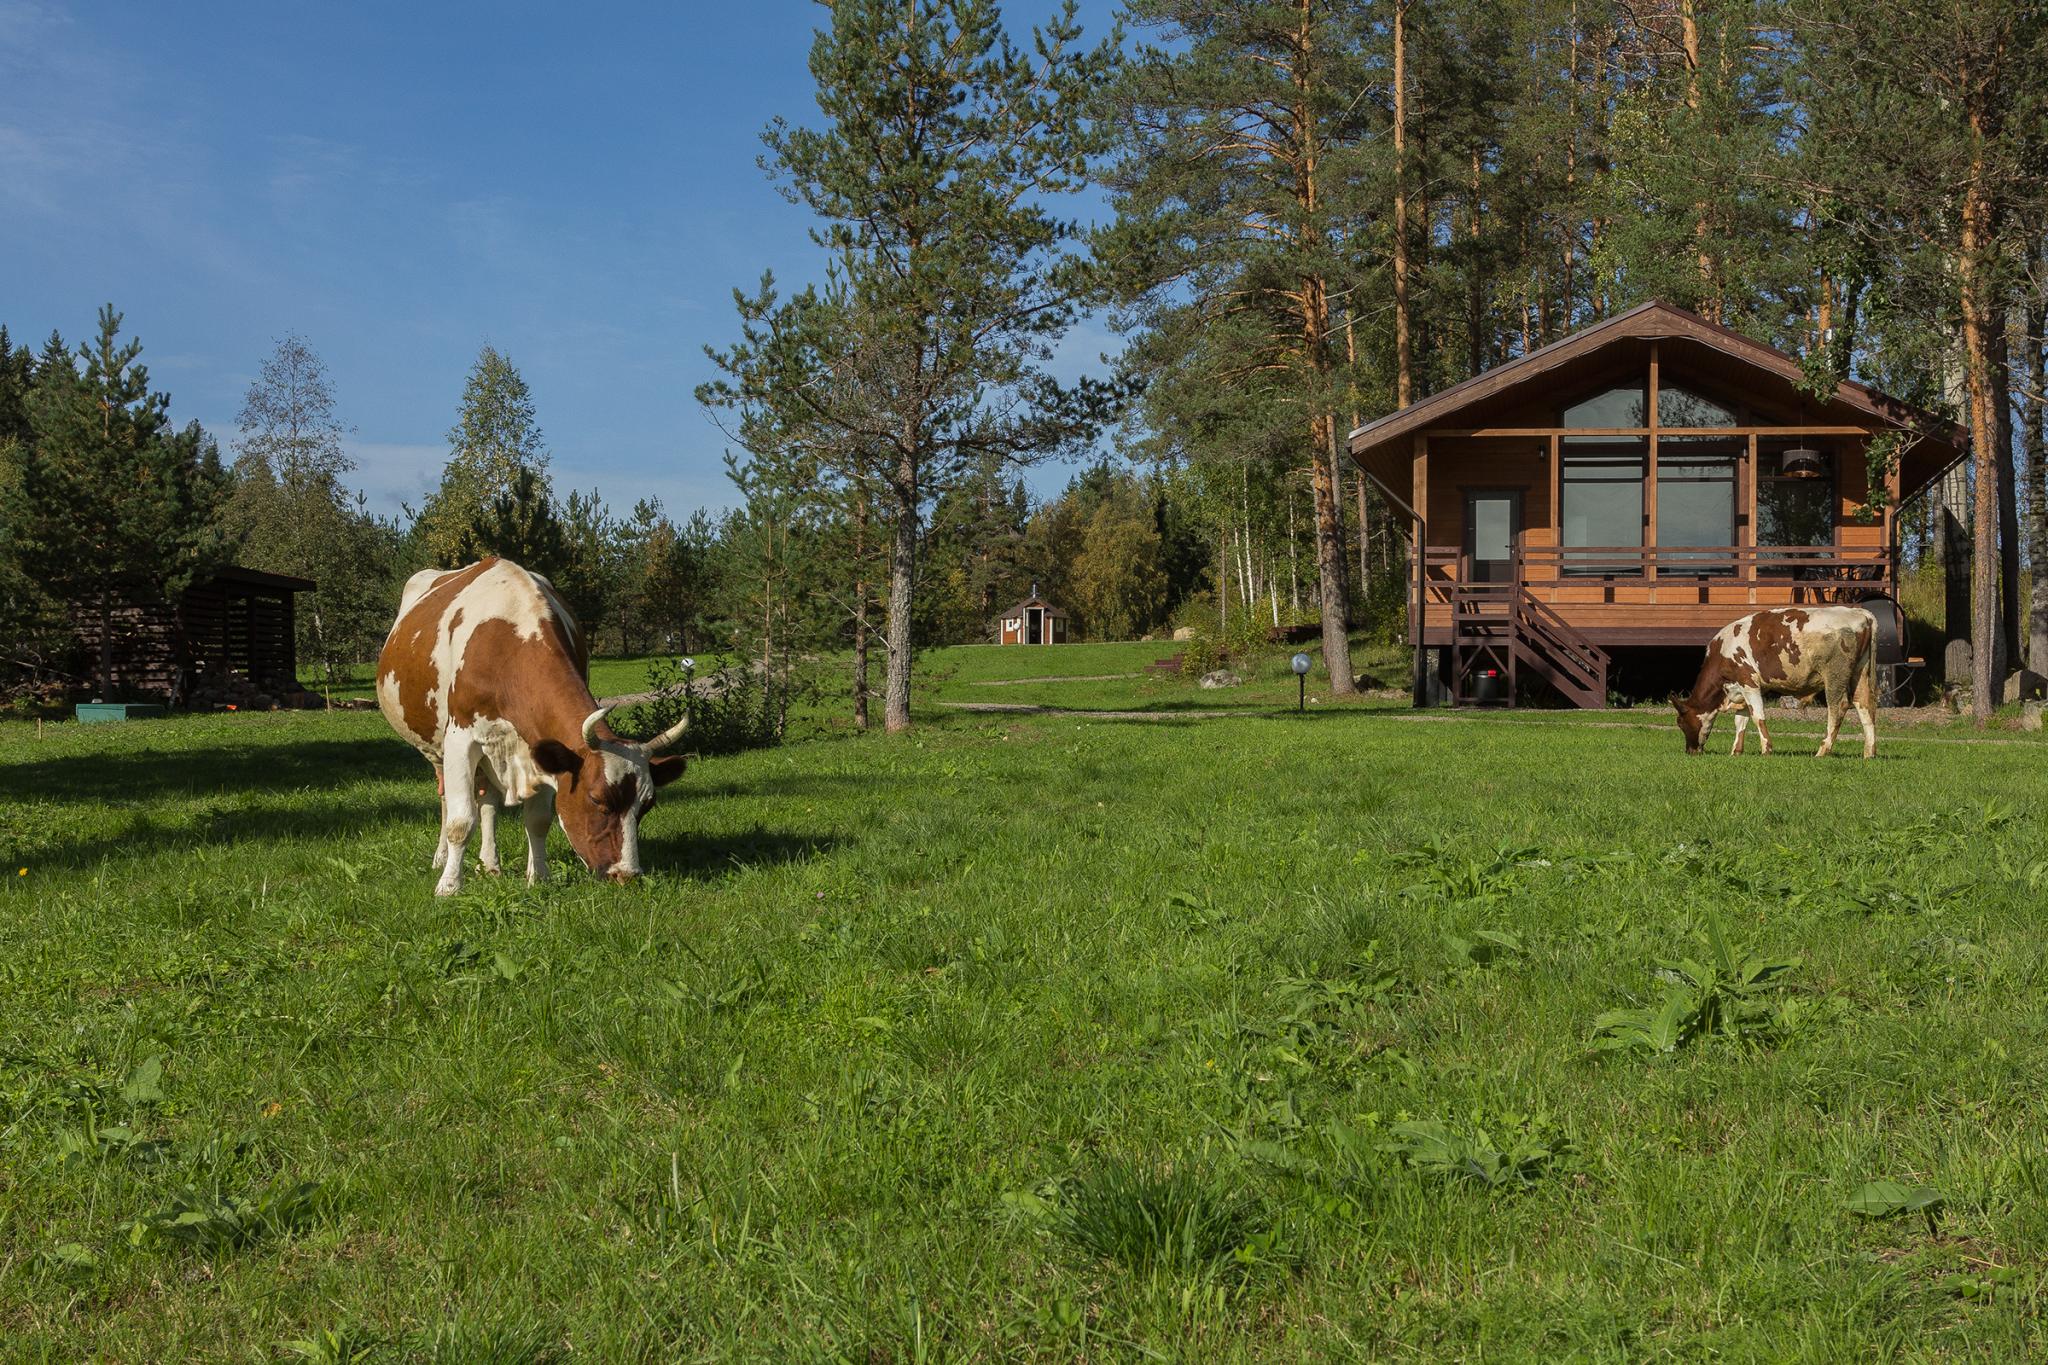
[(402, 184)]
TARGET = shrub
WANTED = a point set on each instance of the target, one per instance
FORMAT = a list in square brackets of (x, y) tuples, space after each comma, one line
[(733, 708)]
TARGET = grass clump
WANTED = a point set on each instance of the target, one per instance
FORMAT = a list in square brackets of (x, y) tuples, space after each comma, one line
[(1178, 1220)]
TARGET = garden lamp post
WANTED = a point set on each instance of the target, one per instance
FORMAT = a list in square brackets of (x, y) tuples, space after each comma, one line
[(1301, 666)]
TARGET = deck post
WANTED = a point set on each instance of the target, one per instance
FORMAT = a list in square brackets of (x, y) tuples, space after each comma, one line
[(1557, 502), (1421, 510), (1755, 478), (1650, 481)]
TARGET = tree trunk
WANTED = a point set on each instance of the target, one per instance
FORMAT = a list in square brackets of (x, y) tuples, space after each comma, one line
[(1710, 297), (1568, 220), (1330, 568), (1293, 555), (860, 611), (106, 643), (2034, 379), (1983, 311), (2009, 641), (1475, 298), (1223, 581), (1404, 358), (902, 577), (1317, 345)]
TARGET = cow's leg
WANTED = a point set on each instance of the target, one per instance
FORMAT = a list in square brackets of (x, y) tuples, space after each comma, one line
[(441, 821), (1741, 728), (1755, 697), (459, 807), (1865, 702), (1837, 704), (537, 814), (487, 809)]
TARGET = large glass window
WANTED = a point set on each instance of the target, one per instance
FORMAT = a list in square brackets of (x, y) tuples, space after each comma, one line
[(1794, 511), (1617, 407), (1601, 488), (1678, 406), (1696, 501)]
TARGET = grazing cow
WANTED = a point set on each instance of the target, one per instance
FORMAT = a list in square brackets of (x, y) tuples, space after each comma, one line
[(1796, 651), (485, 673)]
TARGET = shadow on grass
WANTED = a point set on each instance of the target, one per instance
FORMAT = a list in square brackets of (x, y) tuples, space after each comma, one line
[(145, 775), (710, 857), (130, 835)]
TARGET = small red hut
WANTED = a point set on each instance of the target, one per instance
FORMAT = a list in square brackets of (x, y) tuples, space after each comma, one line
[(1034, 621)]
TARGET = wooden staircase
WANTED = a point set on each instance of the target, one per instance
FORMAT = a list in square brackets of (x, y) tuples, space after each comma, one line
[(1501, 630)]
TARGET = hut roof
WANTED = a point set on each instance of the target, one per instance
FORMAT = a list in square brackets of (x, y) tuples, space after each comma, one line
[(1704, 344)]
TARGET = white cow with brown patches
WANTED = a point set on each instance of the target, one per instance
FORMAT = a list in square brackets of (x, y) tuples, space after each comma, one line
[(485, 673), (1794, 651)]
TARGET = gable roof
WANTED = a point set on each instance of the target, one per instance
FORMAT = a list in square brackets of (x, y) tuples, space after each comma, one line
[(1034, 601), (1652, 321)]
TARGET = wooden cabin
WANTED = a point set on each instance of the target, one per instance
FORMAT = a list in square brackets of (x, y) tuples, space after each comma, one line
[(1634, 487), (1034, 621), (233, 634)]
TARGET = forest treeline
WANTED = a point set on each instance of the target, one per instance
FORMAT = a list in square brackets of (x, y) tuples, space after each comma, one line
[(1295, 217)]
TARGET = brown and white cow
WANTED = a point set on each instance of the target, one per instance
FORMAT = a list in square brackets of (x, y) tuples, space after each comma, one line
[(485, 673), (1794, 651)]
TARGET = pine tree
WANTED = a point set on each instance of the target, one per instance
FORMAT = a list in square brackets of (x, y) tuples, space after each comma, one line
[(595, 564), (494, 438), (942, 149), (1927, 126), (519, 524), (1245, 138), (24, 608), (112, 505)]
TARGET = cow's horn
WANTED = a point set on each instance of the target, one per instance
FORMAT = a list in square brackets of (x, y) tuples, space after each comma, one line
[(667, 737), (591, 721)]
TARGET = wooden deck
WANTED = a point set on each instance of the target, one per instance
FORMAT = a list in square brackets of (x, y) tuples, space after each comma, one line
[(1557, 612)]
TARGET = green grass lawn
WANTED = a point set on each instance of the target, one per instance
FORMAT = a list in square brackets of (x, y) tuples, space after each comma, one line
[(1036, 1037)]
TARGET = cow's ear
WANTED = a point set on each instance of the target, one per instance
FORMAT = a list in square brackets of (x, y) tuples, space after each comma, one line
[(667, 769), (555, 757)]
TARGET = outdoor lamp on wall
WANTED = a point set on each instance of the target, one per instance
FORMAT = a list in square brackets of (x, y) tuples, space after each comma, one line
[(1300, 663), (1802, 462)]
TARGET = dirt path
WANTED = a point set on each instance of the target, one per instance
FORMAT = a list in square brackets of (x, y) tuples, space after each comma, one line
[(1010, 708), (1898, 732), (1074, 677), (1885, 734)]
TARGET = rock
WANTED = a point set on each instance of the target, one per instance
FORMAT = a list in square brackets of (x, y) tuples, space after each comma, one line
[(1222, 677), (2024, 685), (1789, 703), (1183, 633), (2030, 716), (1957, 663)]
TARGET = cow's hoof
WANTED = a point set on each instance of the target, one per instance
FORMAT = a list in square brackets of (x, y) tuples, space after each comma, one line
[(488, 870)]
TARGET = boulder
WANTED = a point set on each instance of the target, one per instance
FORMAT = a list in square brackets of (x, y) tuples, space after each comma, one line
[(2025, 685), (2030, 716), (1183, 633), (1222, 677), (1957, 662)]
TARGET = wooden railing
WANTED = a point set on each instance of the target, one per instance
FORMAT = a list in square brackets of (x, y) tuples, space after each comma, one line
[(1741, 563), (1824, 571)]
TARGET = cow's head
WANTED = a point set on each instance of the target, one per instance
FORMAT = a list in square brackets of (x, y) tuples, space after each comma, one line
[(1696, 720), (604, 786)]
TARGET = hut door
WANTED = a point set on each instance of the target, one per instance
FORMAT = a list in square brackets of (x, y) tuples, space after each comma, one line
[(1034, 625), (1492, 520)]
